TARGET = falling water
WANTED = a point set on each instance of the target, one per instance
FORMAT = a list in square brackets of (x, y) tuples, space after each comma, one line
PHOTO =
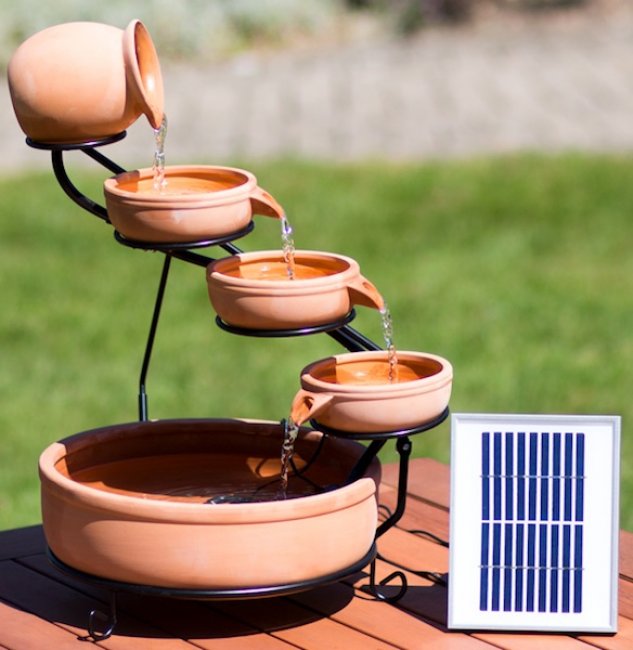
[(287, 450), (392, 356), (288, 247), (159, 157)]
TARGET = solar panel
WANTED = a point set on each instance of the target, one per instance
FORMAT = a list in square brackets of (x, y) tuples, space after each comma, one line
[(533, 520)]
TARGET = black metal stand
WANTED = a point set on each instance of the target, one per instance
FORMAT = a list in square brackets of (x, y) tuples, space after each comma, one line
[(101, 624), (403, 447)]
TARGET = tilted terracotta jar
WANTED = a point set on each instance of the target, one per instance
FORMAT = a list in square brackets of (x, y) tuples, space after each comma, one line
[(352, 392), (81, 81), (253, 290), (197, 202), (129, 503)]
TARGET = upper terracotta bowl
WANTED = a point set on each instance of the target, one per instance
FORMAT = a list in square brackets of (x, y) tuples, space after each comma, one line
[(197, 203), (130, 503), (253, 290), (352, 392)]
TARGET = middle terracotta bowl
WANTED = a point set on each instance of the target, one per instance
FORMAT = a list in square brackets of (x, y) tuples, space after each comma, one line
[(130, 503), (197, 203), (352, 392), (253, 290)]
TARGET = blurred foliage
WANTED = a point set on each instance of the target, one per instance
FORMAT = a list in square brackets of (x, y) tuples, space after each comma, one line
[(186, 29)]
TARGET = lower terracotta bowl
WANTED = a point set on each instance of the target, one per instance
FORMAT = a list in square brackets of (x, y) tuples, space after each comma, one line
[(253, 290), (197, 203), (194, 504), (352, 392)]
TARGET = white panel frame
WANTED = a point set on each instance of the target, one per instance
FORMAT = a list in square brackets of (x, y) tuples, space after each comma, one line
[(601, 524)]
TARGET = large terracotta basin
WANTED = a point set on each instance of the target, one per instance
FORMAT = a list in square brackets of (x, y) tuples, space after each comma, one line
[(352, 392), (195, 504), (253, 290), (196, 203)]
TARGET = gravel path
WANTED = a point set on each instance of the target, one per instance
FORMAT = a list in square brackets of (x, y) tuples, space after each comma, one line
[(565, 82)]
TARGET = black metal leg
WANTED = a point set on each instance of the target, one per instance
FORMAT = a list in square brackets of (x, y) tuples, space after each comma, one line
[(404, 449), (101, 624), (142, 395), (374, 589)]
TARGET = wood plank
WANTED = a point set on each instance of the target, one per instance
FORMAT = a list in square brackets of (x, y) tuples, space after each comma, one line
[(264, 623), (625, 598), (381, 620), (307, 631), (626, 554), (21, 541), (623, 640), (20, 630), (418, 515), (56, 603), (192, 620), (429, 480), (425, 599)]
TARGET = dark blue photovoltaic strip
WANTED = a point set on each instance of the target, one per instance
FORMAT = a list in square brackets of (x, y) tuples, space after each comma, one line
[(520, 477), (569, 442), (532, 521), (485, 476), (545, 477), (556, 467), (577, 568), (533, 475), (507, 562), (531, 563), (566, 566), (509, 472), (485, 563), (519, 571), (542, 574), (580, 473), (554, 563), (496, 566), (496, 479)]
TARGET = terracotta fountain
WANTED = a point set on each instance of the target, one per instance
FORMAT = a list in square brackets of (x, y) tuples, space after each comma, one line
[(211, 508)]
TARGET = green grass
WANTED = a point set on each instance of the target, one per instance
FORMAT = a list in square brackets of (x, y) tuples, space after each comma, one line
[(517, 269)]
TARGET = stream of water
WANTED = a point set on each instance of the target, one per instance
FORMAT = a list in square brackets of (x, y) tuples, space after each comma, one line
[(288, 246), (158, 167), (392, 355)]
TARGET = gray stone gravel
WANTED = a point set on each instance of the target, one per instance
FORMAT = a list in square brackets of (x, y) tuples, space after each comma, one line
[(498, 85)]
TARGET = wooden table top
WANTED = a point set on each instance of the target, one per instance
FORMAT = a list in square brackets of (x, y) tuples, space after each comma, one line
[(41, 608)]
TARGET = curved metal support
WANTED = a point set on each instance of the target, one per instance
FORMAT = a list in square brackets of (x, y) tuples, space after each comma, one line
[(404, 446), (101, 624), (57, 157), (374, 589)]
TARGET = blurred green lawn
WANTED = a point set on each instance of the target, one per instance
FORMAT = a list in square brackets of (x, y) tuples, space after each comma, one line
[(517, 269)]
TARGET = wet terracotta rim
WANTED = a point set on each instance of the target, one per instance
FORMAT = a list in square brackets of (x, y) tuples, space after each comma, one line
[(374, 391), (163, 510), (217, 271), (113, 187)]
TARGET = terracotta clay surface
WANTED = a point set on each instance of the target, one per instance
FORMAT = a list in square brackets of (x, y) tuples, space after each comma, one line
[(77, 82), (131, 503), (197, 202), (252, 290), (352, 391)]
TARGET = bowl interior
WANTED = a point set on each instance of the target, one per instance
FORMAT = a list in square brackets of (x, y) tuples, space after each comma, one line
[(275, 267), (374, 371), (181, 182), (208, 466)]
